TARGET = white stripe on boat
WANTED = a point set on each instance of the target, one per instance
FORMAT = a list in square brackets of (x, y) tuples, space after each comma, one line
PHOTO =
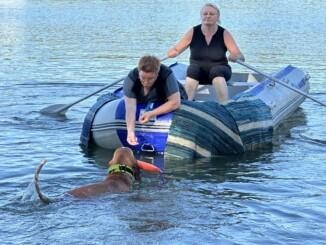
[(189, 144), (253, 125), (215, 122)]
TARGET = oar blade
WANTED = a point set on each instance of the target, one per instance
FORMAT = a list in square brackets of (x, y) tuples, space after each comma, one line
[(58, 109)]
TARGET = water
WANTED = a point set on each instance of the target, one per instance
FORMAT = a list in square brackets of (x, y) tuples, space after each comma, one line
[(59, 51)]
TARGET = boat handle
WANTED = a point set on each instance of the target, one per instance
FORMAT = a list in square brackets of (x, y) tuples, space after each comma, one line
[(147, 147)]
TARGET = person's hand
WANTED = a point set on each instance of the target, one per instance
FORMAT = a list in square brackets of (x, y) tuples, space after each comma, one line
[(145, 117), (172, 53), (234, 58), (132, 139)]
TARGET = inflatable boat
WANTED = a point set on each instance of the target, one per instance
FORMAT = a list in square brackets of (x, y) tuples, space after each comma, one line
[(203, 127)]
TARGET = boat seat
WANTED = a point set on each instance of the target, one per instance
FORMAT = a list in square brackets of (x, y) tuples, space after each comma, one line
[(239, 82)]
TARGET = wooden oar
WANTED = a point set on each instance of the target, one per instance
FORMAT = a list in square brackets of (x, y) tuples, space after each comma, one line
[(60, 109), (279, 81)]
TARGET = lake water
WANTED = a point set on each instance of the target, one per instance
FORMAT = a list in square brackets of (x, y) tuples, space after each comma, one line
[(57, 51)]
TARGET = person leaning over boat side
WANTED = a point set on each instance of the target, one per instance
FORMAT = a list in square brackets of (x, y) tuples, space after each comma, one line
[(150, 82), (208, 44)]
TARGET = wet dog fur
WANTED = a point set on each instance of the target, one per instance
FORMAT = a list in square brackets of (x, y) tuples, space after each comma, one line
[(115, 182)]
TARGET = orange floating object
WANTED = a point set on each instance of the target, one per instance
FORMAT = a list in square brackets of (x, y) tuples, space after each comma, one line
[(148, 167)]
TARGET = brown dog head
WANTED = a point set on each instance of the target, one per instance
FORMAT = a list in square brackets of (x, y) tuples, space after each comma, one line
[(125, 156)]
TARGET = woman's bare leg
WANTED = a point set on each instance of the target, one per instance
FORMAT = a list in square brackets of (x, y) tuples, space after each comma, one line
[(221, 89), (191, 87)]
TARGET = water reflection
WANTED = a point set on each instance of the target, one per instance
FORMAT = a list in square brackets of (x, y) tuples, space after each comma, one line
[(294, 122), (12, 4)]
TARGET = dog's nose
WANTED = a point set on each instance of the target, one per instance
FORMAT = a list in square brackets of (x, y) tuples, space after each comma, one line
[(147, 147)]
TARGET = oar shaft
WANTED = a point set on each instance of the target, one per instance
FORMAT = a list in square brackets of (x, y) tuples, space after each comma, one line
[(165, 58), (90, 95), (279, 81)]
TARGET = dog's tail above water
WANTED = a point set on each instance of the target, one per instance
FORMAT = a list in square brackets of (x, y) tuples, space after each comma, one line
[(43, 198)]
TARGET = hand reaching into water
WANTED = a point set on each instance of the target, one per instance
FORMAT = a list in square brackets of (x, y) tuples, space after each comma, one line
[(144, 118), (132, 139)]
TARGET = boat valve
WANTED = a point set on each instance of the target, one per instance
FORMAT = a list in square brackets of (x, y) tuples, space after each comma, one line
[(271, 83)]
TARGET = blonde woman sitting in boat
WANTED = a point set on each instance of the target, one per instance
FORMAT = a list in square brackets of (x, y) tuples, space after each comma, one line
[(208, 43)]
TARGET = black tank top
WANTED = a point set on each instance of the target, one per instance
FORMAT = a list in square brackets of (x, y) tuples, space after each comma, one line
[(212, 54), (158, 87)]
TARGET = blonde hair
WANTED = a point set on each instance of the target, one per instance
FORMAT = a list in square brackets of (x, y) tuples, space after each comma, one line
[(149, 63), (212, 5)]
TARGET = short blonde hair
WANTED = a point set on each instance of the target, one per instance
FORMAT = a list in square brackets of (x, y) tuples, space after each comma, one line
[(149, 63), (212, 5)]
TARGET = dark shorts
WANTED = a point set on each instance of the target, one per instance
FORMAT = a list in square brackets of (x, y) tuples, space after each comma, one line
[(205, 74)]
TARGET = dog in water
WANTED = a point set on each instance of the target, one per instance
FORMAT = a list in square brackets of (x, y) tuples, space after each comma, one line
[(123, 171)]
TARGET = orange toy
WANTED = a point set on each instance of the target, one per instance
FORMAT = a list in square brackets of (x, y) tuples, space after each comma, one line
[(148, 167)]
